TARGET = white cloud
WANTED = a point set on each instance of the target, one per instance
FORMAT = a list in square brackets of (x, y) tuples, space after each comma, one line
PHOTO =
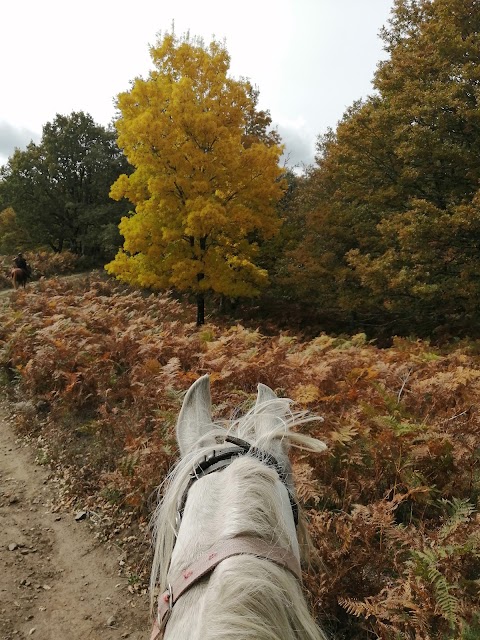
[(310, 59), (12, 137), (298, 141)]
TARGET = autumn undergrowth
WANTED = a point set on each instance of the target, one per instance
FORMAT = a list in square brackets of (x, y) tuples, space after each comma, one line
[(392, 506)]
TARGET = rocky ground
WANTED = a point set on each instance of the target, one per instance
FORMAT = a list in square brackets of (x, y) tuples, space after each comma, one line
[(56, 579)]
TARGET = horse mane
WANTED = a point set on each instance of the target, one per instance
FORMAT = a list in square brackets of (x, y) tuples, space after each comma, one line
[(260, 582)]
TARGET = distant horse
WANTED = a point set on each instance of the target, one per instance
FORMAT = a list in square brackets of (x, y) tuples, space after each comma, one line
[(19, 277), (227, 556)]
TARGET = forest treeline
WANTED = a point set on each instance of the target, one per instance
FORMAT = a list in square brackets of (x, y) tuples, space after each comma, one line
[(381, 234)]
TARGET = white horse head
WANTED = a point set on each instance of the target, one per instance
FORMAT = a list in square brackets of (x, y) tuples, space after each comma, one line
[(237, 505)]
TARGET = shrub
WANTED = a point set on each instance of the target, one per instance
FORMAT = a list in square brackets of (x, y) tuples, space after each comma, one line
[(392, 505)]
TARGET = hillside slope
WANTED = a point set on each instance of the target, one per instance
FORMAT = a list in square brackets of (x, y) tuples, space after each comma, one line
[(98, 374)]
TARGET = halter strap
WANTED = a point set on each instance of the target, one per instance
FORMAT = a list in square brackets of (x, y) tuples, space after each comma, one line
[(208, 561)]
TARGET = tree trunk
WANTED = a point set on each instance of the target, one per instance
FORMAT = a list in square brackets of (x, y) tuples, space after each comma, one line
[(201, 294), (200, 309), (223, 304)]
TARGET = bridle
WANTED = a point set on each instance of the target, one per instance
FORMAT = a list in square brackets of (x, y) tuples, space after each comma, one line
[(206, 563)]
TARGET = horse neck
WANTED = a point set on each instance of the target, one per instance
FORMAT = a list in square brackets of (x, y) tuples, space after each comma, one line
[(246, 498)]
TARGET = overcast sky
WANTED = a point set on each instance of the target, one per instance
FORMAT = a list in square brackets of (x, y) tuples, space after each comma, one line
[(310, 59)]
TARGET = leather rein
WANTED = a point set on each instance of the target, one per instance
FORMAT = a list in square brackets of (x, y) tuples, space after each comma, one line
[(208, 561)]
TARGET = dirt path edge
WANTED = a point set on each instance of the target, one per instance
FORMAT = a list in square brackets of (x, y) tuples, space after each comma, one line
[(56, 579)]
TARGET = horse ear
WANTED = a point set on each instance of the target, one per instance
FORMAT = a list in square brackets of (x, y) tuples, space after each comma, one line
[(264, 394), (270, 412), (195, 419)]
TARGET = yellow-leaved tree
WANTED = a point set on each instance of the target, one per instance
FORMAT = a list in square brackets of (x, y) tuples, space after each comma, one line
[(206, 179)]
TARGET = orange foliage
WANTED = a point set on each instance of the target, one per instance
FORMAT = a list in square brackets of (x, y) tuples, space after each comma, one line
[(391, 507)]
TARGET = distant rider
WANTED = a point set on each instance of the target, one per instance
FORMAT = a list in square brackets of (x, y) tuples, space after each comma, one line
[(21, 263)]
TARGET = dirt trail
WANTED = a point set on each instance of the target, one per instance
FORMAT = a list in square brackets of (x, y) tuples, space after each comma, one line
[(56, 580)]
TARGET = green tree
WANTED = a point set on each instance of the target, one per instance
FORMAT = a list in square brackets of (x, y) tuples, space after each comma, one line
[(12, 237), (394, 231), (206, 177), (59, 188)]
